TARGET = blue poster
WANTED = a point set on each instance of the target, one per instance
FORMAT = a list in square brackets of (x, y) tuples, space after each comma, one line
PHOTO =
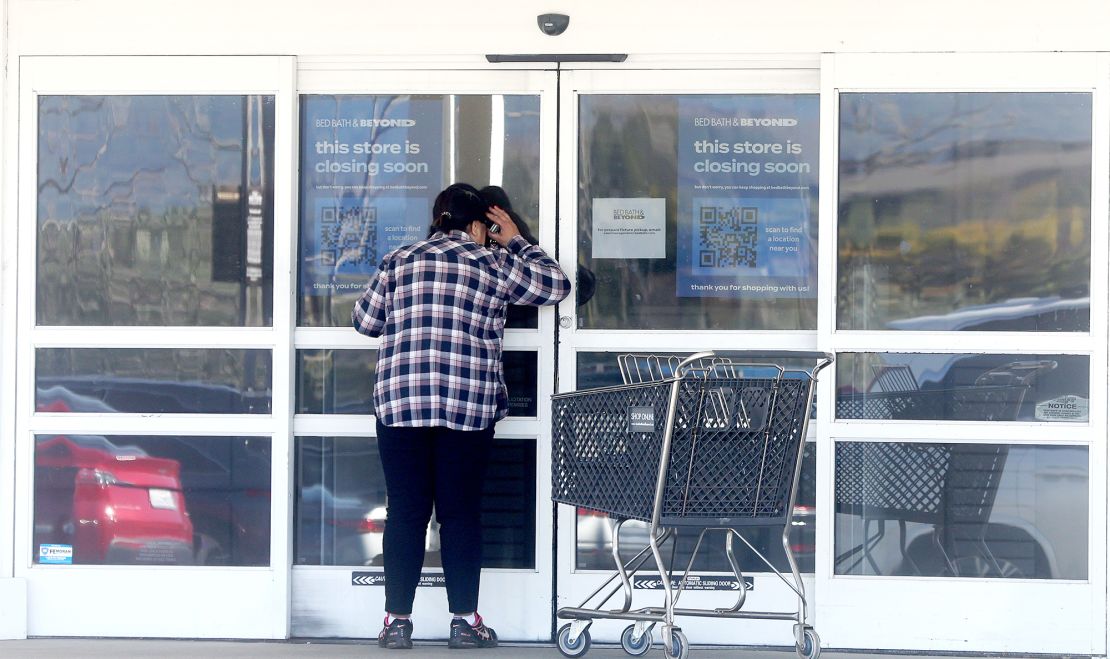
[(747, 196), (370, 168)]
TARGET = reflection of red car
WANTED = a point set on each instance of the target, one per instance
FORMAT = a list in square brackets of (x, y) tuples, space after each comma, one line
[(111, 504)]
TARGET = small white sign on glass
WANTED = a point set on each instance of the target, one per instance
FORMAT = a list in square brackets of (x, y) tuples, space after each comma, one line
[(629, 228), (1068, 407)]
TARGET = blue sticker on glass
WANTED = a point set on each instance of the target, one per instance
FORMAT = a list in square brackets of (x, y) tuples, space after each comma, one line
[(56, 554)]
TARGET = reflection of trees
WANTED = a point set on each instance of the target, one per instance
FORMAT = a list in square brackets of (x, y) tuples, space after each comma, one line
[(938, 214), (127, 191)]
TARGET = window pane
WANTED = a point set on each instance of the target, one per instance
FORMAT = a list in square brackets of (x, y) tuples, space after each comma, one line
[(130, 500), (600, 369), (520, 380), (336, 381), (595, 537), (371, 167), (158, 380), (964, 211), (962, 510), (342, 381), (155, 210), (341, 504), (698, 212), (962, 387)]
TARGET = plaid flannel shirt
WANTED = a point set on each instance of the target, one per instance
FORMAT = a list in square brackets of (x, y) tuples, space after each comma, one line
[(439, 306)]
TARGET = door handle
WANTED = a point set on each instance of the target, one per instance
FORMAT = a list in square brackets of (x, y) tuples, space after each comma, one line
[(566, 322)]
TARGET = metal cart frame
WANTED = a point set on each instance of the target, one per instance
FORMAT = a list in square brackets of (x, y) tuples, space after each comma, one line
[(760, 426)]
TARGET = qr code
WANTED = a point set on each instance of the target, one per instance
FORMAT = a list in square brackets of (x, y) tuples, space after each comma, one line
[(348, 235), (728, 237)]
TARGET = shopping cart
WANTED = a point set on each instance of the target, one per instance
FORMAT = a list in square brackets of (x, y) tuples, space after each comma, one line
[(712, 442)]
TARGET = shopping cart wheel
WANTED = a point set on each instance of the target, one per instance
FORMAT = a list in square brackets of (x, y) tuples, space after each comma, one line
[(679, 648), (811, 645), (638, 647), (580, 646)]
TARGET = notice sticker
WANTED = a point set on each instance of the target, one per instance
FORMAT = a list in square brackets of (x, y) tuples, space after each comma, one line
[(427, 579), (694, 582), (1064, 408), (629, 228), (56, 554)]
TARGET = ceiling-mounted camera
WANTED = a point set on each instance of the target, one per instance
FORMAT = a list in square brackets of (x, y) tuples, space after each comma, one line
[(553, 24)]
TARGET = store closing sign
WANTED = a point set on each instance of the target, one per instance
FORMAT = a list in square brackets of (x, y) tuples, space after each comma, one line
[(370, 166), (747, 196)]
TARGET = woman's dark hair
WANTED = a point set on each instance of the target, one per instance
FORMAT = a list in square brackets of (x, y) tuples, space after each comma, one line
[(456, 207), (495, 195)]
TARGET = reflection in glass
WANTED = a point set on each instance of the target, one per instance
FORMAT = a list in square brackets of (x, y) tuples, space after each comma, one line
[(594, 535), (962, 387), (964, 211), (336, 381), (155, 380), (961, 510), (341, 504), (371, 167), (600, 369), (642, 147), (136, 500), (520, 368), (342, 381), (155, 210)]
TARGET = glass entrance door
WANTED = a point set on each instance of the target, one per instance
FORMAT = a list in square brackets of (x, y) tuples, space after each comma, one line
[(688, 208), (375, 149), (151, 405)]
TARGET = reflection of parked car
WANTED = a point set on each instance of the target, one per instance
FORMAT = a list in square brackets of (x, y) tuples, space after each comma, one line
[(335, 530), (594, 543), (1000, 512), (121, 394), (226, 480), (110, 504)]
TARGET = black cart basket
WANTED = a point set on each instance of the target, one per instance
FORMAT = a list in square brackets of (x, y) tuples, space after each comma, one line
[(713, 441)]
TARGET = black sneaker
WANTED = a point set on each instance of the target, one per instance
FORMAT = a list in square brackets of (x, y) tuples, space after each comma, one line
[(466, 635), (396, 635)]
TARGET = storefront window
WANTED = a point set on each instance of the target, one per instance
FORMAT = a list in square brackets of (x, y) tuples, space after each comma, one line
[(152, 500), (961, 510), (964, 211), (963, 387), (698, 212), (155, 210), (371, 167), (341, 504), (153, 380), (342, 381)]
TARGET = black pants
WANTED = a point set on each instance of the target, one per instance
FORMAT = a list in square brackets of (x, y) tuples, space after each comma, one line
[(425, 466)]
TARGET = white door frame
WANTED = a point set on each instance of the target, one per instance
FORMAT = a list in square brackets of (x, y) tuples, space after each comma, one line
[(516, 602), (965, 614), (213, 602), (13, 592), (574, 585)]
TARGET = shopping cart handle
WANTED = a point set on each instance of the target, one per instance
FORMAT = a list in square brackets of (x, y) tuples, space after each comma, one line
[(824, 358)]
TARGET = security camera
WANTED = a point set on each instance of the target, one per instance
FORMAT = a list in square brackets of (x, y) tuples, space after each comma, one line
[(553, 24)]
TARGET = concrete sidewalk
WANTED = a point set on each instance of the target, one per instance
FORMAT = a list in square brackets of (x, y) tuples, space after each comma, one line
[(173, 649)]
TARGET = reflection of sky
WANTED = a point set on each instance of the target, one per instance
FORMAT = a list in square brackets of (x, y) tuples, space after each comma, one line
[(136, 152), (933, 122)]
